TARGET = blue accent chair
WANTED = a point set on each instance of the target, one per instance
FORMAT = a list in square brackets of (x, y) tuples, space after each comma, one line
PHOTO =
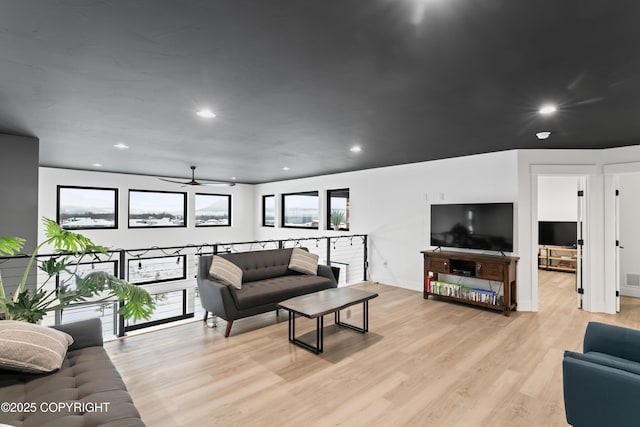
[(602, 384)]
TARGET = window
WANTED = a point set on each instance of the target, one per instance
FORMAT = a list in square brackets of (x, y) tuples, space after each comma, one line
[(157, 209), (269, 211), (338, 209), (81, 208), (213, 210), (157, 269), (300, 210), (66, 278)]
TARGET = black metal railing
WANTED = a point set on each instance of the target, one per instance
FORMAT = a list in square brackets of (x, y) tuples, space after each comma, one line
[(168, 274)]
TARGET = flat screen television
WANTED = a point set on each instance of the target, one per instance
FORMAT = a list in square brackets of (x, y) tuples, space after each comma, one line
[(558, 233), (485, 226)]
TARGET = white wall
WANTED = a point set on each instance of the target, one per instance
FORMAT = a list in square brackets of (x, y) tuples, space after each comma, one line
[(557, 199), (392, 206), (629, 208), (242, 209)]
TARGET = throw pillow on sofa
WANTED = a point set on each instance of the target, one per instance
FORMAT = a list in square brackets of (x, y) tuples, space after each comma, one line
[(26, 347), (226, 271), (304, 262)]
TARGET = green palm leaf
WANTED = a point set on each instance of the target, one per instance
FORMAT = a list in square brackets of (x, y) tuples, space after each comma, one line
[(33, 304), (11, 245)]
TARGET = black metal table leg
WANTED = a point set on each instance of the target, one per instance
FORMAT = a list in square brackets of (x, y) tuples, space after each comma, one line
[(318, 348), (365, 319), (292, 326)]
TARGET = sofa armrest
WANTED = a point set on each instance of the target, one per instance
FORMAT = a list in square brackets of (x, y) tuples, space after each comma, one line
[(86, 333), (215, 296), (614, 340), (325, 271), (596, 394)]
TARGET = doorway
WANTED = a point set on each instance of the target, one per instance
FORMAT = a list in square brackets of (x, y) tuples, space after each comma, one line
[(560, 224)]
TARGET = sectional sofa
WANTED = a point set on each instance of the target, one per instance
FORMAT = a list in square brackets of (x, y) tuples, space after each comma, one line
[(86, 391)]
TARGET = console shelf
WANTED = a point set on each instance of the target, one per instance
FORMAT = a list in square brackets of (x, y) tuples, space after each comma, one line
[(486, 267), (559, 258)]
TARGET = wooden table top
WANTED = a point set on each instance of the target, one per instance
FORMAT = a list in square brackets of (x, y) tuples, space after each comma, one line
[(324, 302)]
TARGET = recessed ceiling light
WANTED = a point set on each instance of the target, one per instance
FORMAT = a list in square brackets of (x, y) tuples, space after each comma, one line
[(286, 168), (206, 114), (121, 145), (355, 149), (548, 109), (96, 165), (543, 135), (233, 178)]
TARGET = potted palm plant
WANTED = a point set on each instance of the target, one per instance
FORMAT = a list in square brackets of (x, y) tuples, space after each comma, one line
[(31, 304), (337, 217)]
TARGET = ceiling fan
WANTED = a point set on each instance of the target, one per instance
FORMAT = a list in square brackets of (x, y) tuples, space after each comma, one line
[(194, 183)]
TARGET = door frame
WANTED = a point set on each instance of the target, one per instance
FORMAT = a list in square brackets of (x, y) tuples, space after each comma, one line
[(580, 171), (611, 253)]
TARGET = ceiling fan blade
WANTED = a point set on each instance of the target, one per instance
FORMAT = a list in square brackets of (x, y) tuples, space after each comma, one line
[(217, 184), (172, 181), (194, 183)]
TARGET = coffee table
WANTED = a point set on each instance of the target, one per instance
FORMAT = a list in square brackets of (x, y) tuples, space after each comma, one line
[(316, 305)]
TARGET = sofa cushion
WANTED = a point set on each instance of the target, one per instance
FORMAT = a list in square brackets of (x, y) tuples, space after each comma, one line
[(304, 262), (272, 291), (260, 265), (27, 347), (226, 271)]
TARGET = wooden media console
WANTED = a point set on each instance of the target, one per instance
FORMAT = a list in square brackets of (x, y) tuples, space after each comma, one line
[(494, 268)]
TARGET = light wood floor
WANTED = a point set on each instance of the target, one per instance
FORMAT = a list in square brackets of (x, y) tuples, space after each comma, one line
[(423, 363)]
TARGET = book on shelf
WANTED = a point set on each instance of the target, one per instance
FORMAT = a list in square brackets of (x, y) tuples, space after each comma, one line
[(438, 287)]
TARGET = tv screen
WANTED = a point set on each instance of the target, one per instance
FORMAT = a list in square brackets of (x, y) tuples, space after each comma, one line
[(487, 226), (557, 233)]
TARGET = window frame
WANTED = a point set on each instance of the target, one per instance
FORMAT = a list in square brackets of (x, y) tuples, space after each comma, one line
[(139, 260), (113, 271), (159, 193), (264, 210), (347, 213), (112, 191), (195, 210), (283, 215)]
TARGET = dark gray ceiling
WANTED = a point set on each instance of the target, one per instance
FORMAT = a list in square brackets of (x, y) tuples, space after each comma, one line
[(296, 83)]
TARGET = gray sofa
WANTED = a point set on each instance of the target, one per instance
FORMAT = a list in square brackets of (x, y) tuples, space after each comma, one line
[(266, 281), (602, 384), (87, 378)]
